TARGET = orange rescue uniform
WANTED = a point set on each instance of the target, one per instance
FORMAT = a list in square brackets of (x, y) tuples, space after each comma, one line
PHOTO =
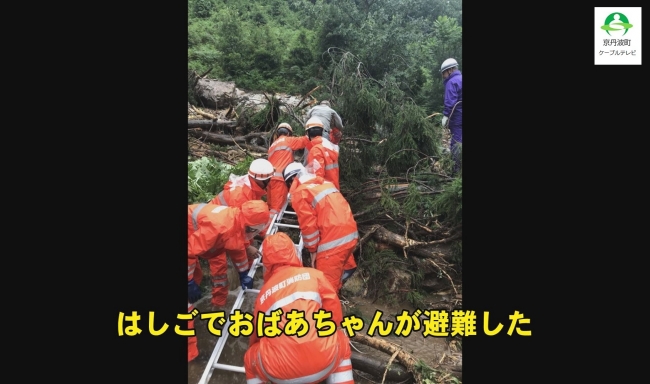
[(289, 358), (280, 154), (211, 227), (327, 225), (327, 155), (235, 193)]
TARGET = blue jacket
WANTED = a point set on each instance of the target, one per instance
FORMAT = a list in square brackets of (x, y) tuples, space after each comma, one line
[(454, 94)]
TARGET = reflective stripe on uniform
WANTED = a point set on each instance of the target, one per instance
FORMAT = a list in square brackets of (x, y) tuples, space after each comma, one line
[(310, 243), (313, 378), (190, 269), (254, 380), (242, 266), (337, 242), (331, 166), (219, 280), (331, 146), (308, 295), (222, 199), (342, 374), (311, 235), (279, 148), (190, 307), (345, 362), (321, 195), (278, 174), (340, 377), (195, 213)]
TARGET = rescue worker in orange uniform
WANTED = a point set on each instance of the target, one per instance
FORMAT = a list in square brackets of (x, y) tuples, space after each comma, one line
[(290, 358), (323, 151), (328, 228), (221, 228), (280, 154), (238, 190)]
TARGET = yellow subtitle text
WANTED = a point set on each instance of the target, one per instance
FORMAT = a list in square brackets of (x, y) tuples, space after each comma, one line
[(436, 323)]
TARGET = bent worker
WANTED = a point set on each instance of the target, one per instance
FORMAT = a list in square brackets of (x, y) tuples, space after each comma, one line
[(298, 358), (237, 191), (280, 154), (328, 228), (332, 122), (321, 150), (221, 228)]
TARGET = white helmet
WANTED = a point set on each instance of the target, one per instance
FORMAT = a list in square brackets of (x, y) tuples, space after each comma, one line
[(261, 169), (293, 169), (313, 122), (449, 63), (286, 126)]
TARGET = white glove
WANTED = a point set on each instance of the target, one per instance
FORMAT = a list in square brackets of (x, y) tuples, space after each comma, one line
[(444, 121)]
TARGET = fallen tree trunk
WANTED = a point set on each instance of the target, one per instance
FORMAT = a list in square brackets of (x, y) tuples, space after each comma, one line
[(216, 138), (403, 357), (376, 367), (386, 236), (211, 124)]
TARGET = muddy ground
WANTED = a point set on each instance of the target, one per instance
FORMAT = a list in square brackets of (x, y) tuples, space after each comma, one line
[(433, 351)]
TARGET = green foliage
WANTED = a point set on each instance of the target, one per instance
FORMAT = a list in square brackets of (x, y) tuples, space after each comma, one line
[(376, 262), (356, 312), (386, 201), (412, 205), (412, 137), (206, 177), (449, 204), (281, 45), (378, 61), (415, 298), (433, 376), (202, 9), (242, 167)]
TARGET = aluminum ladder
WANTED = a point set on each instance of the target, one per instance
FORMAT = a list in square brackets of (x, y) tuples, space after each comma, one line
[(213, 362)]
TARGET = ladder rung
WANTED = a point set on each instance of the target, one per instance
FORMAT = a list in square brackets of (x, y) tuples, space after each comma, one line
[(287, 225), (232, 368)]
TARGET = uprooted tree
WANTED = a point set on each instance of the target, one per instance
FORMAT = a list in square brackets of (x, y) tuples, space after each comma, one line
[(393, 172)]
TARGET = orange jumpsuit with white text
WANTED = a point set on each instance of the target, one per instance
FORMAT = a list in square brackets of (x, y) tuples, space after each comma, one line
[(295, 358), (237, 191), (327, 155), (327, 225), (219, 228), (280, 154)]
